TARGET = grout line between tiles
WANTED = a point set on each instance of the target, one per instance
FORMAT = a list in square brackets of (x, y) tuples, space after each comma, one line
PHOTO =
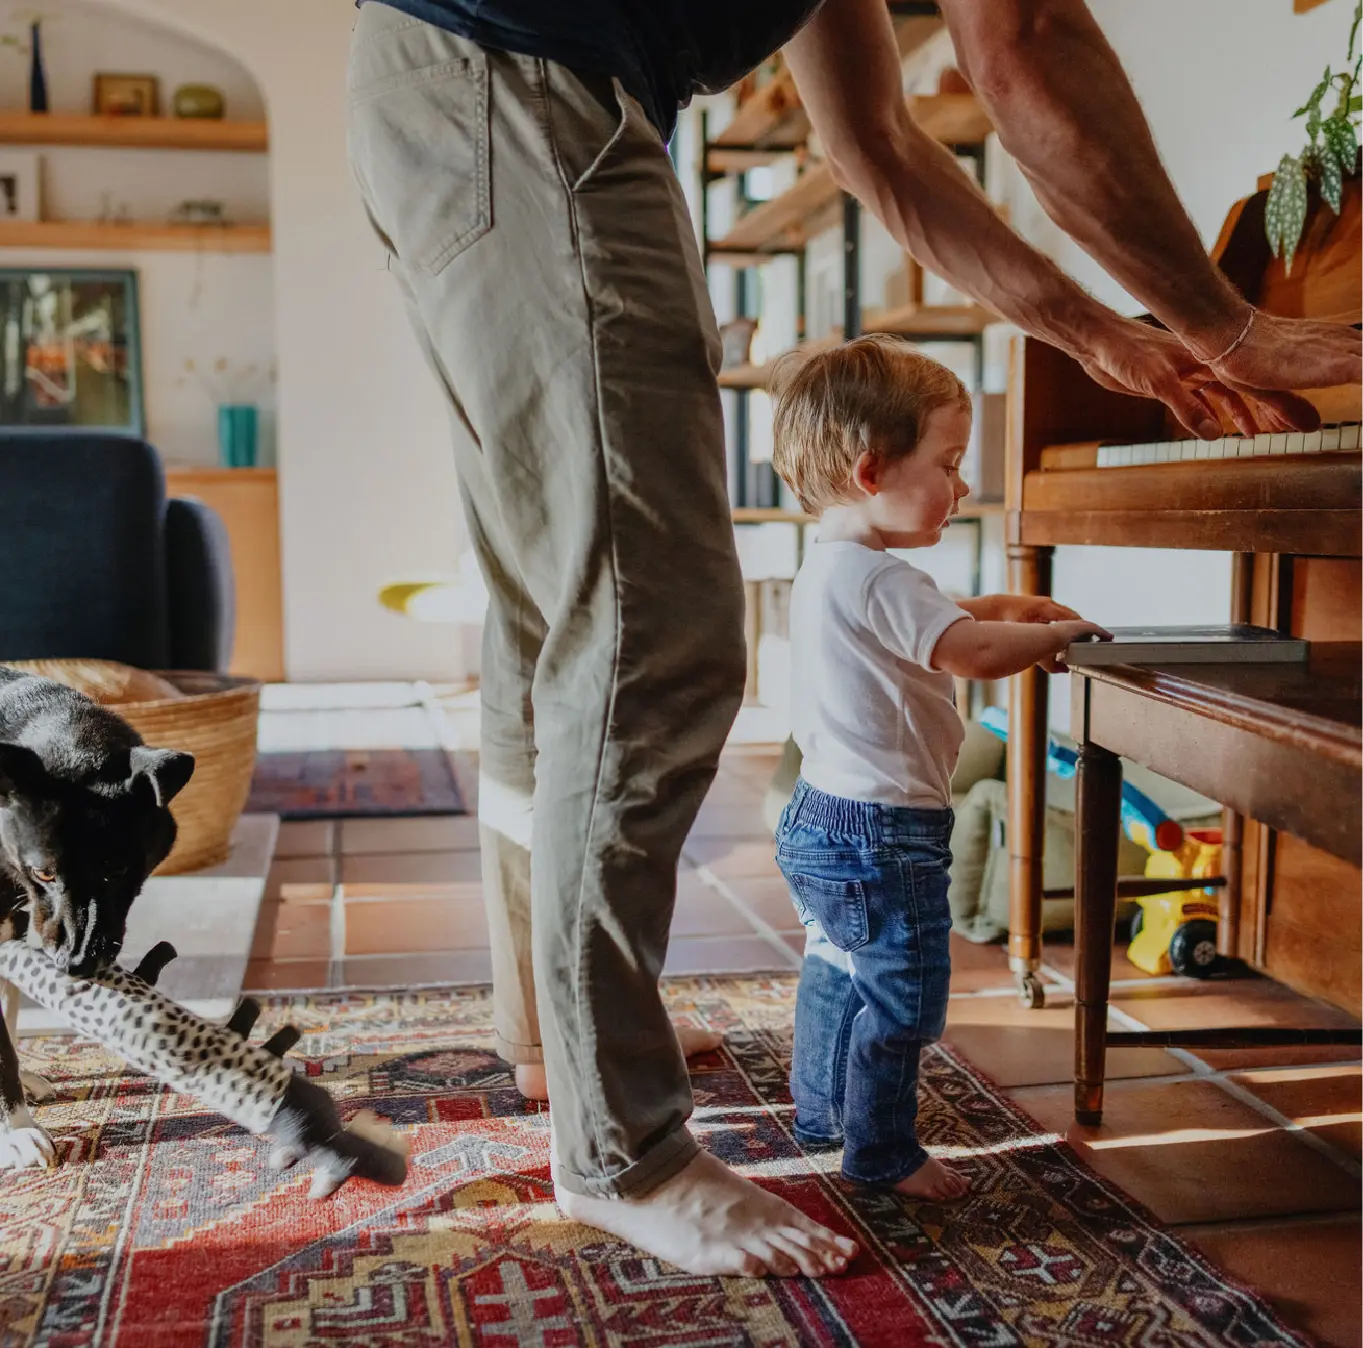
[(1220, 1078), (337, 925)]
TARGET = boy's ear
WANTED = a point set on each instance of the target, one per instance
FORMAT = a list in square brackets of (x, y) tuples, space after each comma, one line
[(866, 473), (21, 772)]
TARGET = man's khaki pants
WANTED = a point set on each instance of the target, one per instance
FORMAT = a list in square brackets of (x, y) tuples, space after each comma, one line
[(534, 222)]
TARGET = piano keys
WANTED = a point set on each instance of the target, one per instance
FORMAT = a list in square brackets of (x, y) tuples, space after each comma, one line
[(1098, 454)]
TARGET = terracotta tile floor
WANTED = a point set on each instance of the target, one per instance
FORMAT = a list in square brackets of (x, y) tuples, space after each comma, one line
[(1255, 1155)]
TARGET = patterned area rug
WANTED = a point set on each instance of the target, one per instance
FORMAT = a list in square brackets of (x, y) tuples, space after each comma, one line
[(162, 1227), (355, 784)]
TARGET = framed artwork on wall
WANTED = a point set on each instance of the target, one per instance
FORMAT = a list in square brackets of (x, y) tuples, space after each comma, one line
[(70, 351), (127, 96)]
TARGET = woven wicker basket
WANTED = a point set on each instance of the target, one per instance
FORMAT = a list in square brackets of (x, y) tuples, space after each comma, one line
[(215, 720)]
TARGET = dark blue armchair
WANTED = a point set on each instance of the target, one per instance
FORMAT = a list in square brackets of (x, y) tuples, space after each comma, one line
[(95, 563)]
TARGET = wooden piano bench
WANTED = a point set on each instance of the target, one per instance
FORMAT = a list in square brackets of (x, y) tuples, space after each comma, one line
[(1277, 744)]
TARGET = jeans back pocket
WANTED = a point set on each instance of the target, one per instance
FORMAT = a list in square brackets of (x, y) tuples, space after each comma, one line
[(839, 907)]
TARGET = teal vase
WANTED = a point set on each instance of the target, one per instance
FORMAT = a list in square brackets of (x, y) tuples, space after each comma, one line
[(237, 433)]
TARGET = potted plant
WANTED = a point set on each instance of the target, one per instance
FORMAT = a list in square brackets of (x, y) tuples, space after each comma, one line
[(1330, 156)]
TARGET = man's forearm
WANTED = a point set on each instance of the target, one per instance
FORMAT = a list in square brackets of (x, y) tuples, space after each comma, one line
[(1048, 77)]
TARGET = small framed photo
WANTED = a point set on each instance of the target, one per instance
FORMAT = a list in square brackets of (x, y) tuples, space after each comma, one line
[(19, 185), (127, 96)]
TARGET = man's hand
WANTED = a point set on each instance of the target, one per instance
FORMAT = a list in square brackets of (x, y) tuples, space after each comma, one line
[(1132, 357), (1286, 353)]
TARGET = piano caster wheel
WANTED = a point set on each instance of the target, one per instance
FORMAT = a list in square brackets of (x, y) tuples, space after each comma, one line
[(1031, 992)]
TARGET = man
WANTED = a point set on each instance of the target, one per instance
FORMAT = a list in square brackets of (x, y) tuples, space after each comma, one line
[(511, 154)]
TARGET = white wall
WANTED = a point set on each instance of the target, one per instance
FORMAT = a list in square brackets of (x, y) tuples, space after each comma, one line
[(366, 479)]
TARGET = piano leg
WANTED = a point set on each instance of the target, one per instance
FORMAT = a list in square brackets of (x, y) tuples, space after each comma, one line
[(1097, 826), (1029, 572)]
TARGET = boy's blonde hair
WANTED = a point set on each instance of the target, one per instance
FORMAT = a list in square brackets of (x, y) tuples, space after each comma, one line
[(871, 394)]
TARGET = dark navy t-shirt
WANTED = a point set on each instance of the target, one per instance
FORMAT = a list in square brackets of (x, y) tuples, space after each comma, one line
[(662, 51)]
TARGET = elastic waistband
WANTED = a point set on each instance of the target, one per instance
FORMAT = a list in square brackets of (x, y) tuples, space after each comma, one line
[(866, 819)]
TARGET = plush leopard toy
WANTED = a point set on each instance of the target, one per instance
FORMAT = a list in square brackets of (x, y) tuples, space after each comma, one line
[(250, 1085)]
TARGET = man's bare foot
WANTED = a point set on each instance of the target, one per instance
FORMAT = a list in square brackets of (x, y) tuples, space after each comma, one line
[(934, 1180), (708, 1221), (531, 1083)]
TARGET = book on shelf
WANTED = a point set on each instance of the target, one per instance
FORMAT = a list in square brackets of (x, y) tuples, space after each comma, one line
[(1236, 643)]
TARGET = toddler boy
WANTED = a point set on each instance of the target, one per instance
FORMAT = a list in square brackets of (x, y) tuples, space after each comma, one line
[(870, 437)]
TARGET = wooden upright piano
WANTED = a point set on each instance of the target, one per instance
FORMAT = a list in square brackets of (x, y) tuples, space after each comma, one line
[(1090, 467)]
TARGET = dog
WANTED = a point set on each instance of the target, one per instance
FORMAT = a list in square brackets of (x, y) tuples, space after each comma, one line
[(83, 823)]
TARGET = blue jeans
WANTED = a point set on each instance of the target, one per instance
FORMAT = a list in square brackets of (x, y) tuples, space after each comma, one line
[(870, 885)]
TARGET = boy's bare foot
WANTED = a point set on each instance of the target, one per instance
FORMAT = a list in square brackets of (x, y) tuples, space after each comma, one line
[(934, 1180), (708, 1221), (531, 1083)]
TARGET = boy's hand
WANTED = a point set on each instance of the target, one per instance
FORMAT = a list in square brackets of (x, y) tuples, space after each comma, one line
[(1016, 608), (1033, 608), (1066, 632)]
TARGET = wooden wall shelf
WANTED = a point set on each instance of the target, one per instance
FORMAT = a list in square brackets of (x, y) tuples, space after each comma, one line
[(788, 221), (133, 133), (139, 237)]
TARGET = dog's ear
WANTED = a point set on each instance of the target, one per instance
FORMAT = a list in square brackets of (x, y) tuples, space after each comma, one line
[(165, 770), (21, 772)]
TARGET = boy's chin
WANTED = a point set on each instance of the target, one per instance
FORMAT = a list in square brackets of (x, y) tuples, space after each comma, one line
[(915, 538)]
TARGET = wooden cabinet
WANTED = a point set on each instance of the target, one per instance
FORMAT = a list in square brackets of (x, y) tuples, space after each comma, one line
[(247, 499)]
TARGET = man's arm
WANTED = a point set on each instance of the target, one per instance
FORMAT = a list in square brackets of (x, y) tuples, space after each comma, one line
[(846, 67), (1065, 110)]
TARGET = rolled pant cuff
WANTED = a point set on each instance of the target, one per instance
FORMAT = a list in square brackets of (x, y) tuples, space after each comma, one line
[(672, 1155), (910, 1167), (518, 1055)]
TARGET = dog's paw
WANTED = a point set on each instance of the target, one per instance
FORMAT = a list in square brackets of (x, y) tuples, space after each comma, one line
[(39, 1090), (25, 1145)]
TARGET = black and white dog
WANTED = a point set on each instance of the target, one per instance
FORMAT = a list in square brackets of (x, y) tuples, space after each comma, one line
[(83, 823)]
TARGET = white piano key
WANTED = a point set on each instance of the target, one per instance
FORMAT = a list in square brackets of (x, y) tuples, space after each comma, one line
[(1263, 443), (1296, 443), (1279, 444), (1348, 438), (1189, 448), (1166, 451), (1329, 439)]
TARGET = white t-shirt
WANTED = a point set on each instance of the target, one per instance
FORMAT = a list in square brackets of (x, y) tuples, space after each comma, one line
[(873, 719)]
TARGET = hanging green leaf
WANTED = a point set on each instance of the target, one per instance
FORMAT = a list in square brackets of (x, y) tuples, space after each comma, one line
[(1331, 181), (1341, 140), (1285, 209), (1316, 95), (1356, 103)]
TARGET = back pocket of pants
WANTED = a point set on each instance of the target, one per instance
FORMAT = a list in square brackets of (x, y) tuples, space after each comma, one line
[(420, 146), (839, 906)]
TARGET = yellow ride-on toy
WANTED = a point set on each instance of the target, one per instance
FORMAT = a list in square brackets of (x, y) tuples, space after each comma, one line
[(1176, 932)]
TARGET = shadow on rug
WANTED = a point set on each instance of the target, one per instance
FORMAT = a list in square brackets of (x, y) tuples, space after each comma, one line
[(163, 1226)]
